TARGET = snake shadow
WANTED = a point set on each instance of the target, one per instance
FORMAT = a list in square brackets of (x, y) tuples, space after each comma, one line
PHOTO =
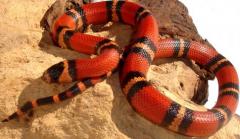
[(37, 88)]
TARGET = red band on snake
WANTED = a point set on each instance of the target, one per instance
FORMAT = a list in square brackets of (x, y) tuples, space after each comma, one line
[(137, 57)]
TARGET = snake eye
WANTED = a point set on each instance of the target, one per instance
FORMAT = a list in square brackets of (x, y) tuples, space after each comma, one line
[(52, 74)]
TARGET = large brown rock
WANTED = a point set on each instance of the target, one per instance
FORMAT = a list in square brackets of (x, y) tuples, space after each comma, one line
[(101, 111)]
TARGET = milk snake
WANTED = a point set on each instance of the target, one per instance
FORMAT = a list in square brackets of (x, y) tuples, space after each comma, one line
[(144, 47)]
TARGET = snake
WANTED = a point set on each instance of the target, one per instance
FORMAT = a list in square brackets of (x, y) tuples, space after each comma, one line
[(133, 63)]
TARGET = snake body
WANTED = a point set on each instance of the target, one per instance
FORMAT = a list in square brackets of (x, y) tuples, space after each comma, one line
[(144, 47)]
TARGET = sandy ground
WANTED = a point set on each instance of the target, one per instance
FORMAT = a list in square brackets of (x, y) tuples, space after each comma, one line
[(101, 111)]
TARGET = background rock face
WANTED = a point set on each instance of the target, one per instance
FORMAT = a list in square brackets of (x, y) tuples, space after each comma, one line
[(101, 111)]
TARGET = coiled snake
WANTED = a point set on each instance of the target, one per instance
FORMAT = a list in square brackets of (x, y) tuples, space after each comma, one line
[(144, 47)]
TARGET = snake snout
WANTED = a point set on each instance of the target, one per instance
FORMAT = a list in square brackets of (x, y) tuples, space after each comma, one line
[(52, 74)]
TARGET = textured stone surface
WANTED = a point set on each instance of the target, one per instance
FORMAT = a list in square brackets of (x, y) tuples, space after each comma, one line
[(101, 111)]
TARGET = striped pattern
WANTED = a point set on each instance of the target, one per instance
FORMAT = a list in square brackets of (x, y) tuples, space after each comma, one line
[(54, 72), (143, 52), (82, 15), (222, 117), (137, 57), (61, 72), (216, 63), (141, 13), (114, 10), (71, 92), (226, 110), (181, 48), (106, 44), (72, 70), (131, 83), (66, 38), (137, 86), (118, 11), (171, 114), (178, 118), (186, 121), (109, 5), (143, 46), (135, 81), (177, 121), (58, 37), (73, 15), (230, 92)]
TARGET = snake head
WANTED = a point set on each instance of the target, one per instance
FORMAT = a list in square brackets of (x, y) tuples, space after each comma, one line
[(52, 74), (62, 72)]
